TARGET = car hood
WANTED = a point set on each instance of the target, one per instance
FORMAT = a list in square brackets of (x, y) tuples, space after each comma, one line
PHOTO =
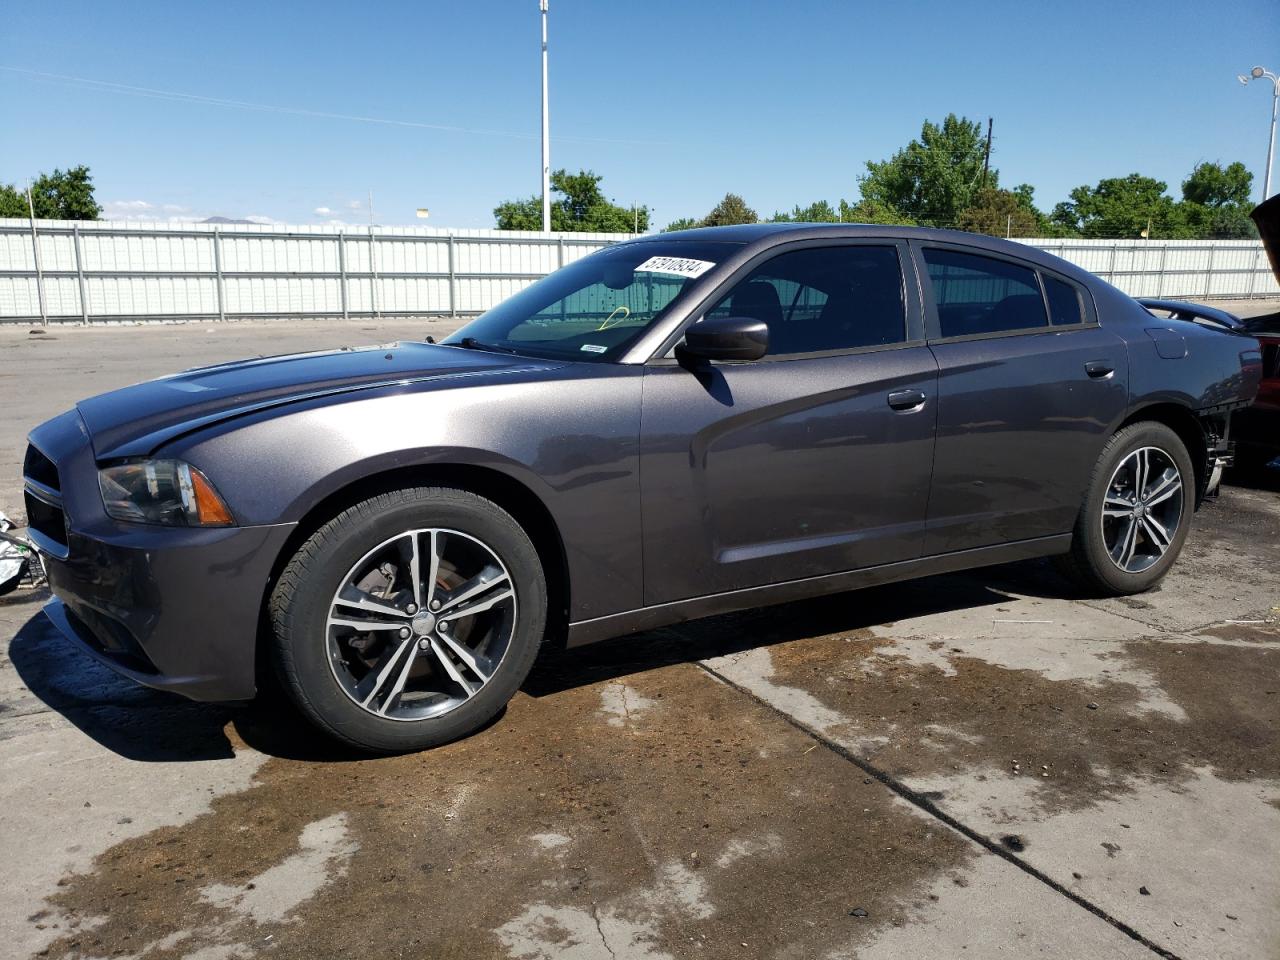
[(136, 420)]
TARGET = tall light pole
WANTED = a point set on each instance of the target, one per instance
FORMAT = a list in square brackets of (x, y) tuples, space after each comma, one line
[(1257, 73), (546, 129)]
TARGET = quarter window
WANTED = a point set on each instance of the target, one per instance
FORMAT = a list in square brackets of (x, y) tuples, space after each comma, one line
[(977, 294), (824, 298), (1064, 302)]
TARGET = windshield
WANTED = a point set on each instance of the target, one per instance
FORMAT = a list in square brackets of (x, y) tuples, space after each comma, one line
[(596, 307)]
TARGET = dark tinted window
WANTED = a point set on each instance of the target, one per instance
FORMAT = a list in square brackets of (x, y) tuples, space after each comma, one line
[(1064, 302), (977, 294), (823, 298)]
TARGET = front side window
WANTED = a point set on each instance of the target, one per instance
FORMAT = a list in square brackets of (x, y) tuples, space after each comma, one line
[(596, 307), (976, 294), (823, 298)]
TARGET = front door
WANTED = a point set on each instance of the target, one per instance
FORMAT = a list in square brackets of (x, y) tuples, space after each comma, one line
[(813, 460)]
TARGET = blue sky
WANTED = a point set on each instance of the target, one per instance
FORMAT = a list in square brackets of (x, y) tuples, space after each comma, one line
[(674, 102)]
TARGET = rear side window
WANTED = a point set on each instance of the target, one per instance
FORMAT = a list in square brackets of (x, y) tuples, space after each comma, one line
[(1064, 302), (824, 298), (977, 294)]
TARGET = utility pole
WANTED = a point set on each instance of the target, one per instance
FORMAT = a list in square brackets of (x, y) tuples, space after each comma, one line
[(986, 156), (371, 206), (546, 129)]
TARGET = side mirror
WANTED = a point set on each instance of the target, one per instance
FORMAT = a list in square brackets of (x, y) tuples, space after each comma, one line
[(724, 338)]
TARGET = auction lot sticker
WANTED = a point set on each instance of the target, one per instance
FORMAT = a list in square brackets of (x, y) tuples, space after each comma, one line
[(680, 266)]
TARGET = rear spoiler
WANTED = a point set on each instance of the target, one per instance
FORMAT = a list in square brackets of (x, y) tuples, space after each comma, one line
[(1195, 312)]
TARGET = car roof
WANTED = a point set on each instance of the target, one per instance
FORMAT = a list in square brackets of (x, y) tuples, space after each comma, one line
[(767, 234)]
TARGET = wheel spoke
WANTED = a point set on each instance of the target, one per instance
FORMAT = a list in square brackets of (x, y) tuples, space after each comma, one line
[(1167, 487), (368, 688), (451, 668), (474, 587), (480, 606), (415, 569), (1156, 533), (433, 568), (365, 603), (365, 624), (1140, 473), (478, 665), (1122, 552), (1115, 500)]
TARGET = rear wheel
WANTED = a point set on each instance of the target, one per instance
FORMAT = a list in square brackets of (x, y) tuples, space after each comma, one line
[(1136, 514), (409, 619)]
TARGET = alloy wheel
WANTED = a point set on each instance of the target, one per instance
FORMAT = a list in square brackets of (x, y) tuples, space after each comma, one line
[(420, 624), (1142, 510)]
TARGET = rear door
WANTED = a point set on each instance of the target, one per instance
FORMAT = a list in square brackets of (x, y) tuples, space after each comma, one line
[(810, 461), (1028, 388)]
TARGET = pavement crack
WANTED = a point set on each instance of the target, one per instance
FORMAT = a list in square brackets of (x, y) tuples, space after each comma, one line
[(595, 915), (930, 807)]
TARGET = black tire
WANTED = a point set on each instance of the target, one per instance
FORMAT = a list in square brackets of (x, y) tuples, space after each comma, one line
[(301, 602), (1089, 562)]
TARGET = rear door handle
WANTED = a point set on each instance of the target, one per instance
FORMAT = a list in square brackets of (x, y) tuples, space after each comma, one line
[(907, 399), (1099, 369)]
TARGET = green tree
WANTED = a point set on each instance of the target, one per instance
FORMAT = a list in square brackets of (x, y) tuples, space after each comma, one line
[(1213, 185), (873, 211), (1122, 207), (932, 179), (732, 209), (61, 195), (580, 206), (999, 213), (684, 223), (817, 212), (1215, 201)]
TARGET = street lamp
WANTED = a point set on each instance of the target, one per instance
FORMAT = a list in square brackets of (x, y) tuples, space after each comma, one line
[(1258, 73), (546, 129)]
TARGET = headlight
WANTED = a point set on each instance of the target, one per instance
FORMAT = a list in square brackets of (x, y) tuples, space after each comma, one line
[(162, 491)]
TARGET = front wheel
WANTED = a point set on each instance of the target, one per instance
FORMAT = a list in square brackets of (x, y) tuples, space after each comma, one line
[(1136, 514), (409, 619)]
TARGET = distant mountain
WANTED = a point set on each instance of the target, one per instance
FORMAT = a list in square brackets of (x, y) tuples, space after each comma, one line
[(223, 220)]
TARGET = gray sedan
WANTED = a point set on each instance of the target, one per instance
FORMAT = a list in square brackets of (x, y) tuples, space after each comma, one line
[(670, 428)]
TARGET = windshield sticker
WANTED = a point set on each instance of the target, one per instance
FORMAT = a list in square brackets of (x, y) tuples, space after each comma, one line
[(594, 348), (680, 266)]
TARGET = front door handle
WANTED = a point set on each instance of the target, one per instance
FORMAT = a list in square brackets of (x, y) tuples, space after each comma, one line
[(907, 399), (1099, 369)]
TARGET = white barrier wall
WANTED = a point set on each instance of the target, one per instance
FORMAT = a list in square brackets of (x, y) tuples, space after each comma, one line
[(102, 270)]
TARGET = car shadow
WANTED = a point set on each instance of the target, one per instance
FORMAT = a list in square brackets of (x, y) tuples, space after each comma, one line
[(1265, 479), (147, 725), (727, 634)]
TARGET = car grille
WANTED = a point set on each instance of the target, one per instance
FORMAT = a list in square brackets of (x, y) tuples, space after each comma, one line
[(46, 521)]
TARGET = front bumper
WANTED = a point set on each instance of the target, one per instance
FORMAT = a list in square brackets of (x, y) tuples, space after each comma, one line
[(172, 608)]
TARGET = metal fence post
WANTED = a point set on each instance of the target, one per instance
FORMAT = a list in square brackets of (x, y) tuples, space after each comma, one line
[(1111, 273), (84, 300), (342, 272), (1164, 254), (453, 280), (1253, 270), (217, 268), (35, 250), (560, 253), (373, 269), (1208, 273)]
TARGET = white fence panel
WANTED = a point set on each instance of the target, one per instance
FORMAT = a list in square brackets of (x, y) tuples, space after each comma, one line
[(98, 270)]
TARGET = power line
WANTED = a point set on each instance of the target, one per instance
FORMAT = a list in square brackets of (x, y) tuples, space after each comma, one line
[(175, 96)]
